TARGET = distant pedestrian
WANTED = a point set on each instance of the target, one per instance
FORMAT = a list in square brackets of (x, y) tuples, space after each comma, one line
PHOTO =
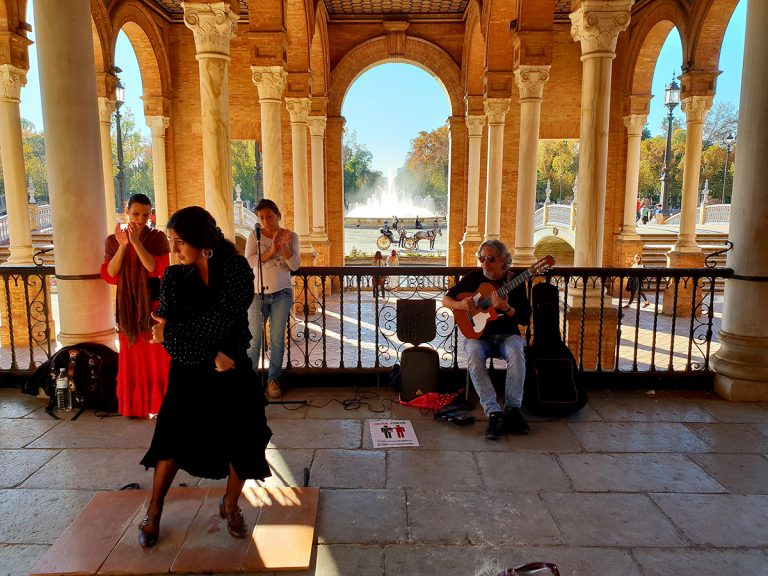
[(635, 284)]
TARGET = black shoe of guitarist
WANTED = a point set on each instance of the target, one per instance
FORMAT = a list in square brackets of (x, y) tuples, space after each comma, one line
[(514, 421)]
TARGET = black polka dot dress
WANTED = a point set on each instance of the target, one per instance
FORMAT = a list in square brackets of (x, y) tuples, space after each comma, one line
[(210, 419)]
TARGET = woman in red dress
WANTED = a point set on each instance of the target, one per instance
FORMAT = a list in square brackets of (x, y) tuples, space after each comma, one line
[(136, 258)]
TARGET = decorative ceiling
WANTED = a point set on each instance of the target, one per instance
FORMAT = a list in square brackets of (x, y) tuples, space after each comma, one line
[(364, 9)]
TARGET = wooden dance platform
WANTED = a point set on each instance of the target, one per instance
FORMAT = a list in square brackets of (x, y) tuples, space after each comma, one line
[(103, 539)]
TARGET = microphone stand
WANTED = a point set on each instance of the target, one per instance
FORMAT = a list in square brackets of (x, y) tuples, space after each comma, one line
[(263, 348)]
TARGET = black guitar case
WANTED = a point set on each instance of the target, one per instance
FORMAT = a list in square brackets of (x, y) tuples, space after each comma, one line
[(553, 384)]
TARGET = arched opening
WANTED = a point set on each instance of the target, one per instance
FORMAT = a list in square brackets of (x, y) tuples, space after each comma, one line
[(395, 165), (557, 247)]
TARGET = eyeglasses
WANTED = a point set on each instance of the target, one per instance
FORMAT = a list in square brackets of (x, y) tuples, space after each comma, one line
[(484, 259)]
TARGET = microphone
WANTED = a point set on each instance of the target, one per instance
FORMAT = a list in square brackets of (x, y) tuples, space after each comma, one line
[(258, 230)]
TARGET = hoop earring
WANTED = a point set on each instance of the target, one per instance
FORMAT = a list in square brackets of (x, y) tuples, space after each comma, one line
[(207, 252)]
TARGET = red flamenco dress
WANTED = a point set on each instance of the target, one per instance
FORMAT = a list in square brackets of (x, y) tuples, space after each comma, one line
[(142, 371)]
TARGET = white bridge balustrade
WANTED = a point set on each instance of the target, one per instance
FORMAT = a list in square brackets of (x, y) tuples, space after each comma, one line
[(714, 214), (39, 219)]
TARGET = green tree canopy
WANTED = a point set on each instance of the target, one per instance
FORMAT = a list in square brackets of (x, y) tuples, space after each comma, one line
[(360, 179), (558, 162), (427, 161)]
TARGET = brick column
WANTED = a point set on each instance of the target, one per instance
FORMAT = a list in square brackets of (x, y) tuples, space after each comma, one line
[(299, 108), (335, 188), (214, 25), (596, 26), (12, 79), (457, 198), (472, 237), (496, 110), (742, 361), (530, 81), (158, 125), (270, 82), (76, 176), (106, 108)]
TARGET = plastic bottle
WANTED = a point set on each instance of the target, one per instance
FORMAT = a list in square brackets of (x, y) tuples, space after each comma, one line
[(63, 395)]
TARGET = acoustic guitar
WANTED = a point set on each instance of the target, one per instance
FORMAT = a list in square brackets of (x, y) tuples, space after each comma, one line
[(473, 325)]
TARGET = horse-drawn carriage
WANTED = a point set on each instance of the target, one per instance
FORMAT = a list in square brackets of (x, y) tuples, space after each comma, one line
[(407, 240)]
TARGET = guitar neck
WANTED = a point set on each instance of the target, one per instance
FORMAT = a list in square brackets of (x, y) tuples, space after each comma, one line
[(507, 287)]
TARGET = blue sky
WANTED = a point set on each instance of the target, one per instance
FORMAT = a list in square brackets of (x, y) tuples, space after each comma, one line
[(390, 104)]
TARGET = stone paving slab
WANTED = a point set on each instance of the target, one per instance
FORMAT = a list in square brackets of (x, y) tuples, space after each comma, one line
[(686, 562), (738, 473), (752, 412), (738, 438), (17, 465), (650, 409), (361, 517), (723, 520), (637, 437), (22, 432), (316, 433), (12, 406), (89, 431), (626, 520), (440, 469), (636, 473), (515, 472), (349, 469)]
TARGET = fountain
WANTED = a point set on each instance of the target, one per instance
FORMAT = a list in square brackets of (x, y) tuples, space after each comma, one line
[(386, 201)]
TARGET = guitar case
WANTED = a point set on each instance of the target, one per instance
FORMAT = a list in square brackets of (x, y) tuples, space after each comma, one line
[(553, 384)]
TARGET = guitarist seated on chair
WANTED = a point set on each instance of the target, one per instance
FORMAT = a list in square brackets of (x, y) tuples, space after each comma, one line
[(491, 324)]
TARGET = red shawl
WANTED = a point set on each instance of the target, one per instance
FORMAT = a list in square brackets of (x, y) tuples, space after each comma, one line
[(134, 300)]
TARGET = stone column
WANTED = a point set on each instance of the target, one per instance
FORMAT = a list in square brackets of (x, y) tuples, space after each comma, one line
[(634, 124), (530, 81), (319, 234), (106, 108), (457, 189), (695, 109), (270, 82), (742, 361), (12, 157), (214, 25), (496, 110), (472, 236), (158, 125), (75, 170), (299, 108), (596, 25)]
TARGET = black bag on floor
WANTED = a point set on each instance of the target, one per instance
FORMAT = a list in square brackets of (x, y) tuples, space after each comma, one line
[(553, 384), (92, 370)]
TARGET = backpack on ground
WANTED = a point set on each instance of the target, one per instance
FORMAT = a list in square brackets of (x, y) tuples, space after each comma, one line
[(92, 370), (553, 384)]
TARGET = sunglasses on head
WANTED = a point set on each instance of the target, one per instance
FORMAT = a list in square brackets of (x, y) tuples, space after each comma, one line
[(484, 259)]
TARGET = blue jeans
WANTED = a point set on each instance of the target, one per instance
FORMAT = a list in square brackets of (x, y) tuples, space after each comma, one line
[(508, 347), (277, 308)]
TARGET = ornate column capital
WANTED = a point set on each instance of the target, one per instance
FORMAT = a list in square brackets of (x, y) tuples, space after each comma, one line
[(597, 24), (106, 108), (298, 108), (12, 79), (496, 110), (635, 123), (157, 125), (213, 26), (475, 126), (270, 81), (316, 125), (696, 108), (530, 81)]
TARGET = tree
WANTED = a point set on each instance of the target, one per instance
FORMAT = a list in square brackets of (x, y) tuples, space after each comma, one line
[(722, 119), (557, 161), (359, 178), (427, 160), (33, 145), (244, 169), (137, 156)]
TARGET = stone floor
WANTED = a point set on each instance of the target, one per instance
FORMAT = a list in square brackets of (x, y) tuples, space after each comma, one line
[(635, 484)]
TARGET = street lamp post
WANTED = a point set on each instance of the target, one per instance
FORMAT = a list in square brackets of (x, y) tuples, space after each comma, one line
[(729, 140), (119, 99), (671, 100)]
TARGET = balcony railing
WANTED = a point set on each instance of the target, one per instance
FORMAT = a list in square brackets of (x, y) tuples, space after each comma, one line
[(338, 325)]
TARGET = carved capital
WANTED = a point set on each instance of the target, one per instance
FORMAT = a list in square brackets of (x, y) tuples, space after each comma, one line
[(597, 24), (298, 108), (475, 126), (106, 108), (157, 125), (316, 125), (530, 81), (11, 81), (696, 108), (213, 26), (496, 110), (635, 123), (270, 81)]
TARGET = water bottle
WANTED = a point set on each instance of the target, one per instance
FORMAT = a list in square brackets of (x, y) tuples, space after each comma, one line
[(63, 395)]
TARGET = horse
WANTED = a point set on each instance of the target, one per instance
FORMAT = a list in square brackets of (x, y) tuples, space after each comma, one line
[(430, 235)]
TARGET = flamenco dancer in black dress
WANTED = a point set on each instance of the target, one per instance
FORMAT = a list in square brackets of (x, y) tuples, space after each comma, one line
[(211, 423)]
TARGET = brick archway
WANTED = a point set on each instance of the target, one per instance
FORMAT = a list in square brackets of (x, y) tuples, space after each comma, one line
[(708, 25), (149, 48), (376, 51)]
